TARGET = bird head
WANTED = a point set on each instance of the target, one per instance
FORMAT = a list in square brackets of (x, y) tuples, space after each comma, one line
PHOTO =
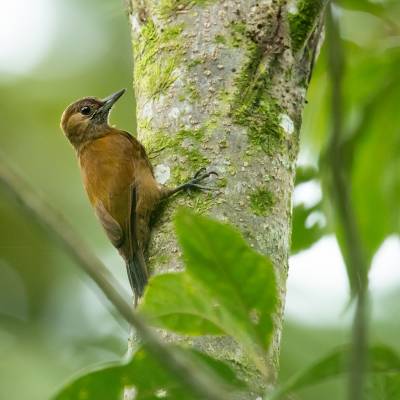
[(87, 118)]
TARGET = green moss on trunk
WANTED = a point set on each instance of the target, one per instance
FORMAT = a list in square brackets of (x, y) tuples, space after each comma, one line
[(157, 54), (194, 159), (261, 201), (253, 106), (303, 22)]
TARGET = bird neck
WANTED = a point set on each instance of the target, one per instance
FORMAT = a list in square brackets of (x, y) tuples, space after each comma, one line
[(82, 137)]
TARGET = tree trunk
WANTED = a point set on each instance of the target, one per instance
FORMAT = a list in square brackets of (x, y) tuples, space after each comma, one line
[(222, 84)]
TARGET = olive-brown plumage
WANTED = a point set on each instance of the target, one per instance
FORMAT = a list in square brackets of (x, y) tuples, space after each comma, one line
[(119, 180)]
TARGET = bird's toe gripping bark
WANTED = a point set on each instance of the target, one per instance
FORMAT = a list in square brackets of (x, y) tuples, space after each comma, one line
[(194, 183), (198, 177)]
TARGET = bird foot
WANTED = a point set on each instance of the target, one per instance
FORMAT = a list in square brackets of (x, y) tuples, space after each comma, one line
[(198, 177), (194, 183)]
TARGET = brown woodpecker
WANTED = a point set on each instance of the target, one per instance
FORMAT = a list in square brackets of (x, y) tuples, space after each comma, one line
[(119, 180)]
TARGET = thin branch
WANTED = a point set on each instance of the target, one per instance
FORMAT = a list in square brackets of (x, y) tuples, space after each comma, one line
[(354, 254), (198, 379)]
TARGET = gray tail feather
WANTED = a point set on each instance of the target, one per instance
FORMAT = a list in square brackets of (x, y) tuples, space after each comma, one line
[(137, 274)]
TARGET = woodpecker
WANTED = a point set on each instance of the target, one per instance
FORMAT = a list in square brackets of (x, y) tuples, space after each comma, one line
[(119, 180)]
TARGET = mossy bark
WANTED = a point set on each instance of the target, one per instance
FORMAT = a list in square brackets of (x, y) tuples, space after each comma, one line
[(222, 85)]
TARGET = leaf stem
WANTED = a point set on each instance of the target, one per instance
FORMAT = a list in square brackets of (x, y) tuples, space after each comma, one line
[(353, 249)]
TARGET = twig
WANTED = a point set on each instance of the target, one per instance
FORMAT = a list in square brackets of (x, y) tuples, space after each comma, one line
[(354, 255), (199, 379)]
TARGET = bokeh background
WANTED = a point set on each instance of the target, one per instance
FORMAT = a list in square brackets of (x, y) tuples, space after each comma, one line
[(53, 321)]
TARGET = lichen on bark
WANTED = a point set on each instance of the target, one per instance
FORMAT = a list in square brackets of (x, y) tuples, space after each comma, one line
[(219, 84)]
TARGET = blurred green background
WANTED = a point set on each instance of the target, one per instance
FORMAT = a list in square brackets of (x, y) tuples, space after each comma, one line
[(53, 321)]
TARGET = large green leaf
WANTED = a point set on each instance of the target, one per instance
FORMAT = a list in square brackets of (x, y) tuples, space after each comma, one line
[(227, 288), (372, 160), (172, 301), (375, 174), (371, 144), (145, 376), (382, 360)]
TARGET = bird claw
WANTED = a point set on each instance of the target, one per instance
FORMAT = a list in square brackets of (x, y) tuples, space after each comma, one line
[(200, 176), (199, 172)]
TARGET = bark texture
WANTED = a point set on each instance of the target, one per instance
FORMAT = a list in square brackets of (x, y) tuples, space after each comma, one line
[(222, 84)]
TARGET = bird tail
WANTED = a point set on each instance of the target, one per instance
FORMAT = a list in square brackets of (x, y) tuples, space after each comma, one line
[(135, 263), (137, 273)]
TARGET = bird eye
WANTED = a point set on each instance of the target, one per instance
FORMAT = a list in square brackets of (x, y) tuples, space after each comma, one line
[(85, 110)]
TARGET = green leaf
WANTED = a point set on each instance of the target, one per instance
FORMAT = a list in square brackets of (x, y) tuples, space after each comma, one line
[(372, 161), (382, 360), (375, 175), (371, 143), (384, 386), (227, 288), (305, 173), (304, 236), (367, 6), (144, 375), (171, 301)]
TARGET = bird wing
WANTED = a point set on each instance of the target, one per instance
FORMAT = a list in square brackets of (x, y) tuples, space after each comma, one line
[(109, 171), (123, 207), (136, 144), (111, 226)]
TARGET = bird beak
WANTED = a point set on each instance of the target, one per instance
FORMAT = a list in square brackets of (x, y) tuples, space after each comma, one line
[(108, 102)]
